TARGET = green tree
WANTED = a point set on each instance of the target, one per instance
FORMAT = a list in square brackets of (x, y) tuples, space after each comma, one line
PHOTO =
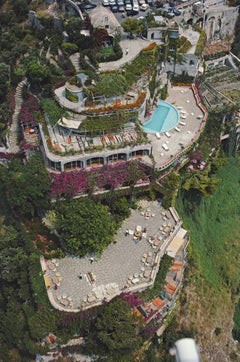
[(69, 48), (53, 111), (111, 84), (117, 327), (37, 73), (85, 226), (73, 28), (40, 323), (4, 80), (132, 26), (27, 186), (120, 208), (200, 182)]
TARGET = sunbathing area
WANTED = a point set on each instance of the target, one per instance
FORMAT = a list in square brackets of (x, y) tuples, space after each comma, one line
[(170, 144), (129, 264), (65, 140)]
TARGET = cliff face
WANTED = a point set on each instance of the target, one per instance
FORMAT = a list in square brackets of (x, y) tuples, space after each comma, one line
[(210, 314)]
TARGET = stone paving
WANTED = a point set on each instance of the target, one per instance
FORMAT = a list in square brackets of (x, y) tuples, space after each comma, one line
[(121, 260), (179, 97)]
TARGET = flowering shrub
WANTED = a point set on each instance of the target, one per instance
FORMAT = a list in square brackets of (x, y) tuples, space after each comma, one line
[(112, 176), (69, 184), (149, 47), (132, 299), (118, 106), (59, 84), (29, 106)]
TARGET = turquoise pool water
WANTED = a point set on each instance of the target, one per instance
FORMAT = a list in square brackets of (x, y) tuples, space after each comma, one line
[(164, 118)]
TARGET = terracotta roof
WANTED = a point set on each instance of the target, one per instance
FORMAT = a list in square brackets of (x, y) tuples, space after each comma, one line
[(158, 302)]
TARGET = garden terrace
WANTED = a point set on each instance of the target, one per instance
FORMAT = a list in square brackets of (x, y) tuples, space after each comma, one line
[(72, 154), (219, 85)]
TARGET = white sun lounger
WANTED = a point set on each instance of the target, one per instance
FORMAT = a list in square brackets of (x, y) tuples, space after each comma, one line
[(165, 147), (183, 116), (167, 134), (158, 135), (177, 129), (182, 123)]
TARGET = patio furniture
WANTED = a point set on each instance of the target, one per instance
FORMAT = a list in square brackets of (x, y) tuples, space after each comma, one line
[(55, 280), (51, 266), (135, 280), (91, 277), (91, 298), (147, 273), (64, 302)]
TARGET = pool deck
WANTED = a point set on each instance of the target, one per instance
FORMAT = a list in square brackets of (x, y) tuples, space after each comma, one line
[(179, 97)]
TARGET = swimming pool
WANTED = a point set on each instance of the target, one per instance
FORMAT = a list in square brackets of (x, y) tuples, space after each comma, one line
[(164, 118)]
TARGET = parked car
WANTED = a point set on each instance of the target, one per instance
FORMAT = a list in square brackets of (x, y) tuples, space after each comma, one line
[(128, 7), (158, 4), (114, 8), (112, 2), (135, 7), (121, 8), (89, 6), (120, 2), (141, 2), (144, 7), (177, 12), (131, 13), (150, 2), (105, 2), (86, 6)]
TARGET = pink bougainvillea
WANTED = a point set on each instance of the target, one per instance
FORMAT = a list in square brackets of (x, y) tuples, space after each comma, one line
[(111, 176)]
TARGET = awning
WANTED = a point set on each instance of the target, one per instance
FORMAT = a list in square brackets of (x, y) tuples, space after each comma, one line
[(69, 123), (176, 243)]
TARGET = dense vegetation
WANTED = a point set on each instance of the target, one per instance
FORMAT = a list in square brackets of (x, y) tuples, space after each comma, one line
[(85, 226), (214, 228)]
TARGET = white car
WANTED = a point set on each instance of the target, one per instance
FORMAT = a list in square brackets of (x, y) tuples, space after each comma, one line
[(144, 7), (141, 2), (112, 2), (128, 7), (135, 7), (105, 2)]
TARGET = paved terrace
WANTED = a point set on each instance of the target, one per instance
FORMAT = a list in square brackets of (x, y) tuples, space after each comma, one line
[(188, 126), (126, 265)]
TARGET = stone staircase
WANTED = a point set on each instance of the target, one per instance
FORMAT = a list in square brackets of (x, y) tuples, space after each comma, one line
[(13, 146), (75, 60)]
